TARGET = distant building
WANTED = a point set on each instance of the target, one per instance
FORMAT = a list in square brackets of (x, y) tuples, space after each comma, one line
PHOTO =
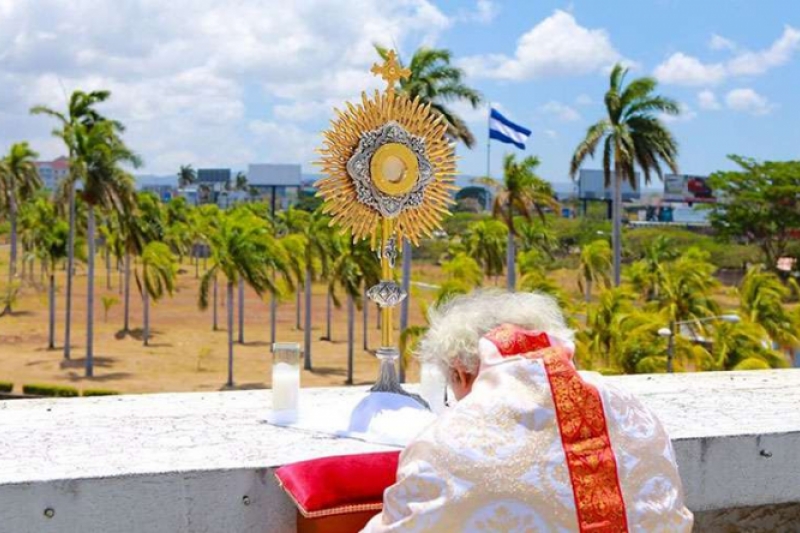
[(52, 172), (591, 186), (164, 192)]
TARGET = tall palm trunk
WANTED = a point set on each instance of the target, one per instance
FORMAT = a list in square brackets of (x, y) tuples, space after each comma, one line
[(108, 267), (617, 222), (126, 324), (70, 271), (407, 300), (196, 263), (146, 311), (511, 261), (273, 314), (90, 297), (230, 334), (241, 311), (119, 281), (215, 325), (297, 309), (51, 337), (328, 316), (588, 295), (365, 318), (12, 262), (307, 332), (351, 330)]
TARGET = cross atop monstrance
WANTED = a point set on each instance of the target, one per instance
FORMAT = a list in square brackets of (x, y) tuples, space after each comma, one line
[(389, 170), (391, 71)]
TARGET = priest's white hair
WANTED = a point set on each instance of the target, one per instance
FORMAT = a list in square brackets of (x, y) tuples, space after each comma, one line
[(457, 325)]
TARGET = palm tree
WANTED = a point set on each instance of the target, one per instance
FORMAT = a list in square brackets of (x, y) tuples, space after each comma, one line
[(486, 243), (740, 346), (521, 193), (19, 180), (354, 267), (634, 136), (240, 183), (647, 274), (762, 296), (595, 266), (436, 82), (465, 269), (242, 247), (99, 152), (159, 272), (80, 110), (688, 282), (186, 176)]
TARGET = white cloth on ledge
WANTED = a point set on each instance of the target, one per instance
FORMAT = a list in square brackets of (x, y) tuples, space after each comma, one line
[(378, 417)]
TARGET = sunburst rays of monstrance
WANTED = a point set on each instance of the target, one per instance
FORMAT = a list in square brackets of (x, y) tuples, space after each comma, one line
[(389, 169)]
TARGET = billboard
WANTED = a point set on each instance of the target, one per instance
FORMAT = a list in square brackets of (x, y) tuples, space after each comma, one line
[(591, 186), (689, 189), (273, 175)]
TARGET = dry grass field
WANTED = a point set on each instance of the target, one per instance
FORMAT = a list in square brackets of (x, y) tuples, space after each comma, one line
[(184, 353)]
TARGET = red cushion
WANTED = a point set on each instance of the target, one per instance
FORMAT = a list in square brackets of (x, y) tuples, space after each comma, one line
[(341, 484)]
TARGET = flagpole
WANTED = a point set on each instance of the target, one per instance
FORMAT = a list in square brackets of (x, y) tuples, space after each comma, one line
[(489, 142)]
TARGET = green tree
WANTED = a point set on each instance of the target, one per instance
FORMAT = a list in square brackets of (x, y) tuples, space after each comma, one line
[(686, 291), (80, 111), (186, 176), (595, 266), (762, 296), (19, 180), (647, 274), (438, 83), (158, 276), (242, 247), (634, 136), (485, 242), (464, 269), (741, 346), (98, 156), (521, 193), (761, 204), (352, 269)]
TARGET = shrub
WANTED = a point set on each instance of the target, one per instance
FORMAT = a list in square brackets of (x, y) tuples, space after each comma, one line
[(6, 386), (99, 392), (50, 390)]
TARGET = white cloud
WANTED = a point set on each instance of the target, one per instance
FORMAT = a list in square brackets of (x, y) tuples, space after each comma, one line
[(552, 134), (584, 99), (687, 114), (558, 45), (484, 12), (560, 111), (781, 51), (717, 42), (747, 100), (192, 78), (707, 100), (682, 69)]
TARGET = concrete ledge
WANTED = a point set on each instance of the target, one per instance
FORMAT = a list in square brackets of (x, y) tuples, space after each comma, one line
[(200, 461)]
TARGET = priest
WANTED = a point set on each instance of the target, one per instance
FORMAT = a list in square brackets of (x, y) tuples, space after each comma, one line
[(531, 444)]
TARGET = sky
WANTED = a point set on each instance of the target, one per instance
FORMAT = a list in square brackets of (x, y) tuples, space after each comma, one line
[(224, 84)]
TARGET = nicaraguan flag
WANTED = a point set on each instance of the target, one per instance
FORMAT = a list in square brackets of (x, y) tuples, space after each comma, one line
[(503, 130)]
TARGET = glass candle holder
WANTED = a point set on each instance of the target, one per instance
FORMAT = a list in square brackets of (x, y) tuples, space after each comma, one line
[(285, 381)]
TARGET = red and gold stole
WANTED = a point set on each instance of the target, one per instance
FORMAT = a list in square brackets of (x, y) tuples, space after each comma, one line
[(584, 432)]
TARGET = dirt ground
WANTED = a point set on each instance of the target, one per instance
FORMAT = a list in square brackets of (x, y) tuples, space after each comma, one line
[(184, 353)]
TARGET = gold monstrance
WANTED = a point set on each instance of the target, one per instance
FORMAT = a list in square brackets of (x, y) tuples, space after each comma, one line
[(389, 170)]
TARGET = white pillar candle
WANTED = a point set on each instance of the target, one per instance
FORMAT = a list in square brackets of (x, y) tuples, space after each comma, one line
[(285, 390), (431, 387)]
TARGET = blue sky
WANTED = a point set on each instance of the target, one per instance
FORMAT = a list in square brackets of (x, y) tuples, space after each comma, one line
[(227, 83)]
